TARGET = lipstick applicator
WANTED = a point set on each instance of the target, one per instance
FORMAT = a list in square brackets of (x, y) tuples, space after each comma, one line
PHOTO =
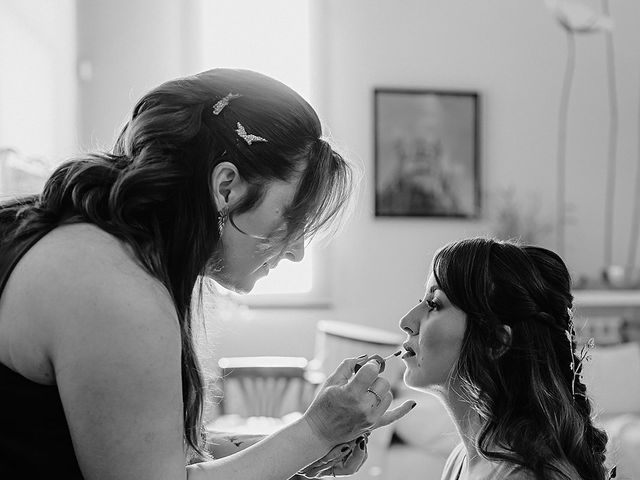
[(381, 360)]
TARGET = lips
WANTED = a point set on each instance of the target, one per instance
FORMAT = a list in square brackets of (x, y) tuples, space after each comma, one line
[(409, 352)]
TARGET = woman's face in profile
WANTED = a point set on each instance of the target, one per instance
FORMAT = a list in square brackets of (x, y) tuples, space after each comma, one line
[(252, 241), (435, 329)]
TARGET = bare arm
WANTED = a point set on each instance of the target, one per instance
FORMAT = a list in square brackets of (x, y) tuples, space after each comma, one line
[(342, 459), (223, 444), (278, 456)]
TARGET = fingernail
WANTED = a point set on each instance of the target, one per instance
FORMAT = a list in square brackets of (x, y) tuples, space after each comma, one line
[(362, 445), (380, 361), (376, 361), (414, 404), (362, 356)]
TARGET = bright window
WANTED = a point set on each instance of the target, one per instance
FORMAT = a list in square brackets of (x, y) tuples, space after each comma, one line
[(289, 277), (236, 34)]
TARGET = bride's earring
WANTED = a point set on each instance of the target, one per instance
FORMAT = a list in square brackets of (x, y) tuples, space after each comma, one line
[(223, 215)]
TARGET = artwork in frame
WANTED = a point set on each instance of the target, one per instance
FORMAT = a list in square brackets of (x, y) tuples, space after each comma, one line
[(426, 153)]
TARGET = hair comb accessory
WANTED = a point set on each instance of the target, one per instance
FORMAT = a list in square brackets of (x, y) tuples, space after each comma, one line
[(247, 137), (220, 104), (582, 358), (570, 334), (576, 367)]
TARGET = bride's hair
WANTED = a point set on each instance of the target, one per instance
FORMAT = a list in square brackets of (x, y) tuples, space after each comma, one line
[(532, 403)]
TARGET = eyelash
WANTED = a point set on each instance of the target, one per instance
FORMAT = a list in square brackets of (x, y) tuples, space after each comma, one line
[(430, 303)]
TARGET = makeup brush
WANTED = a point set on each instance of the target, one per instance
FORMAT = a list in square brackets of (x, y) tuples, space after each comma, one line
[(392, 355), (381, 360)]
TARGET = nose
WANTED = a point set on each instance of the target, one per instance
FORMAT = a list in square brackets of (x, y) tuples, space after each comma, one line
[(295, 251), (410, 323)]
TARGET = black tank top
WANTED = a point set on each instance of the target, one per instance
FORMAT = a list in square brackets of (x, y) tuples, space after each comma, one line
[(34, 436)]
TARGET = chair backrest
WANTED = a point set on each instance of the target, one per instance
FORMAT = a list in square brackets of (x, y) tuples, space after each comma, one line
[(265, 386)]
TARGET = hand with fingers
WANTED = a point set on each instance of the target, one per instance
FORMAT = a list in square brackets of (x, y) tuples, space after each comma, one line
[(349, 404)]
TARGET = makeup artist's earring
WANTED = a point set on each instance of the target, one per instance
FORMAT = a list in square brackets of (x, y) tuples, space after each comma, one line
[(223, 215)]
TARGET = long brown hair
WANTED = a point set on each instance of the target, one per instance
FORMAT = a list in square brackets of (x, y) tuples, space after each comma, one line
[(152, 190), (531, 403)]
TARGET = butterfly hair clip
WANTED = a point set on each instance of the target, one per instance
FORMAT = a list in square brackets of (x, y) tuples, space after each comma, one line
[(247, 137)]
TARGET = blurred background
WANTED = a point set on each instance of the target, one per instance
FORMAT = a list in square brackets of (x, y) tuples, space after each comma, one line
[(558, 86)]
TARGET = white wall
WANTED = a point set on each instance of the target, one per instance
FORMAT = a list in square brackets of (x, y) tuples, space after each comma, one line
[(126, 48), (37, 78)]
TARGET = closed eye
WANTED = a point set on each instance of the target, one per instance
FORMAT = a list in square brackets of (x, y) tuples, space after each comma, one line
[(429, 303)]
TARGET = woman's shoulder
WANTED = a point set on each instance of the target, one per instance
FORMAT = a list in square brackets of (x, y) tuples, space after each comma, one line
[(79, 244), (453, 465), (79, 293), (82, 254), (79, 273), (500, 470)]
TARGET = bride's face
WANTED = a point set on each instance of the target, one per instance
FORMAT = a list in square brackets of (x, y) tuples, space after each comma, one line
[(435, 329)]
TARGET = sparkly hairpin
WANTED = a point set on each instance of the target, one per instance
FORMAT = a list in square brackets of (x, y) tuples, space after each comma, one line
[(247, 137), (220, 104), (582, 358), (576, 367)]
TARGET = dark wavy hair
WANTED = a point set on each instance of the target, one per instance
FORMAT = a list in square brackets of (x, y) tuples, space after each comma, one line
[(524, 396), (152, 190)]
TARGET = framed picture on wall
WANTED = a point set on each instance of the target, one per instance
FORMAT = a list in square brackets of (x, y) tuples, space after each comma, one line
[(426, 153)]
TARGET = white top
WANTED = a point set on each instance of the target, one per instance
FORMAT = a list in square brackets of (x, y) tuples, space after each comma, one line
[(453, 469)]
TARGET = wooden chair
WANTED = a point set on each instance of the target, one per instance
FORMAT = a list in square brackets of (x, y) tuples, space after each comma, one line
[(259, 395), (266, 386)]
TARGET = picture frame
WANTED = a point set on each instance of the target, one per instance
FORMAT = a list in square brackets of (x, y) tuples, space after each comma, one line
[(427, 153)]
